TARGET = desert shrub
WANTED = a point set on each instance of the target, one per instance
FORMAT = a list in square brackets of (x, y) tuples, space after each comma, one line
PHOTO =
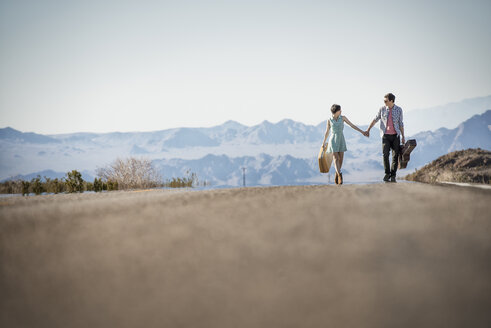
[(189, 181), (97, 185), (89, 186), (130, 173), (74, 181), (11, 186), (25, 187), (37, 186), (112, 185), (54, 185)]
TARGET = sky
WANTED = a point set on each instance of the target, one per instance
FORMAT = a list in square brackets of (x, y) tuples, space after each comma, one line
[(103, 66)]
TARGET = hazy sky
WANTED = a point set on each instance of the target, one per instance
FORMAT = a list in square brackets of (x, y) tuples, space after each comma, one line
[(100, 66)]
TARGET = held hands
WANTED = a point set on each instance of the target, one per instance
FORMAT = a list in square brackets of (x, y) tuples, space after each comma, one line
[(366, 133)]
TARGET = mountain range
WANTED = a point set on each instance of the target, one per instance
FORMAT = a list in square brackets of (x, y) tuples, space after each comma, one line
[(448, 116), (272, 153)]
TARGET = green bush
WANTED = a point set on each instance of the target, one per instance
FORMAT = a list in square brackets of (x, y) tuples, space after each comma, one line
[(112, 185), (97, 185), (54, 185), (74, 181), (25, 187), (37, 185), (189, 181)]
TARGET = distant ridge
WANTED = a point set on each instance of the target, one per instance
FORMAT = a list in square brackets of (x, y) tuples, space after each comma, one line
[(448, 116), (48, 174), (14, 135), (233, 144), (418, 120), (472, 133)]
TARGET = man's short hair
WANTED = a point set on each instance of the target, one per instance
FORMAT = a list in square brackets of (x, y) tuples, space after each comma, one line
[(390, 96), (335, 108)]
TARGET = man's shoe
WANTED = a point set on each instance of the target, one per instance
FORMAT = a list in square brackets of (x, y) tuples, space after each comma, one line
[(340, 179), (387, 177), (392, 179)]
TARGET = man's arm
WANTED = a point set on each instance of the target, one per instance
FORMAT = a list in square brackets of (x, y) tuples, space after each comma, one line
[(375, 120), (371, 126)]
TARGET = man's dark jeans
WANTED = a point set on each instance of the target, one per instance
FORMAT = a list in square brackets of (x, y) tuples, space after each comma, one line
[(391, 141)]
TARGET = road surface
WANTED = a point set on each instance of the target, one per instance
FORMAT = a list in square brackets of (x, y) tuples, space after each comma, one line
[(379, 255)]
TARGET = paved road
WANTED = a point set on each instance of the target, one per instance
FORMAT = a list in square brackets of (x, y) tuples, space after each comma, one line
[(396, 255)]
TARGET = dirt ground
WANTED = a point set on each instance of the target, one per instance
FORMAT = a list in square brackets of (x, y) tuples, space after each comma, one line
[(379, 255)]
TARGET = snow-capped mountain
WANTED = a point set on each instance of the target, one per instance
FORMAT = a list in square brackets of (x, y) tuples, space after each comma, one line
[(273, 153), (87, 151), (14, 136), (473, 133), (448, 116)]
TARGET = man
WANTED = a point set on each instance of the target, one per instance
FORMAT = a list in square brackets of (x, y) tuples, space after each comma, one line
[(391, 130)]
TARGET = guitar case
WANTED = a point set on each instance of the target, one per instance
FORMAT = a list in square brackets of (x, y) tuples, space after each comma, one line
[(405, 153)]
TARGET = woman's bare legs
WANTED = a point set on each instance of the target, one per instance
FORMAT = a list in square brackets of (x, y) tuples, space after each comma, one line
[(335, 155), (341, 157), (338, 161)]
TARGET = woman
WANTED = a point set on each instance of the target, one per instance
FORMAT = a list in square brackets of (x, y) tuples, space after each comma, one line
[(337, 144)]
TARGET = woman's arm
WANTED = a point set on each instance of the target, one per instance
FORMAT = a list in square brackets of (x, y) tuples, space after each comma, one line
[(327, 132), (352, 125)]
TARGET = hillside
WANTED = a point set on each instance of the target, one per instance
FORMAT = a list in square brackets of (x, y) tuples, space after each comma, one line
[(470, 165)]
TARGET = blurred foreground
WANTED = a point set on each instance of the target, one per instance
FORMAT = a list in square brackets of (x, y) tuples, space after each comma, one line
[(380, 255)]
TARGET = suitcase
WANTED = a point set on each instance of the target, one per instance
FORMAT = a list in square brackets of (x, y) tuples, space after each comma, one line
[(405, 152), (325, 160)]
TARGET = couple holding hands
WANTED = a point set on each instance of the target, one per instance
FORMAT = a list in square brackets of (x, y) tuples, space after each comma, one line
[(391, 129)]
